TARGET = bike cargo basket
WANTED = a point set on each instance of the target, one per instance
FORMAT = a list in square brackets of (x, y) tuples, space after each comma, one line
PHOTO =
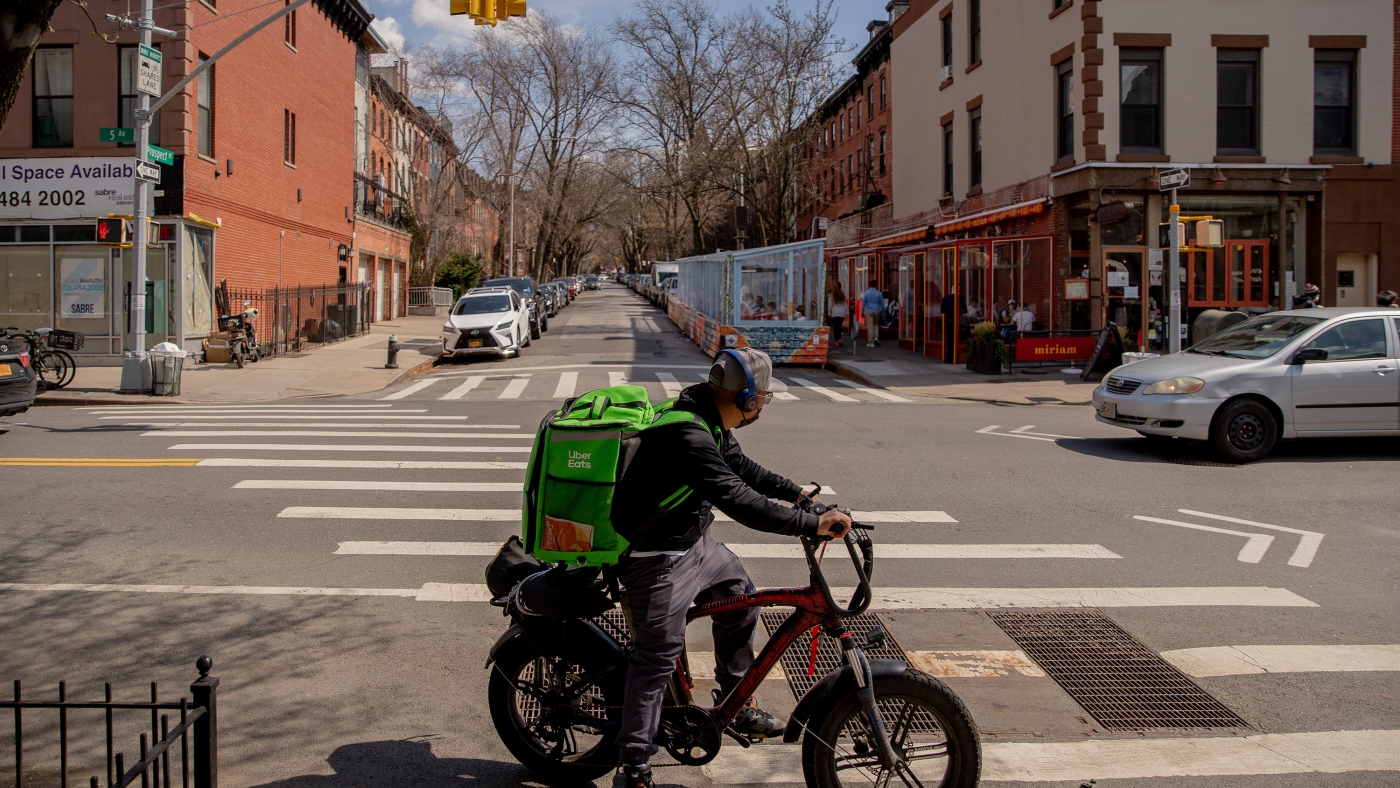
[(66, 340)]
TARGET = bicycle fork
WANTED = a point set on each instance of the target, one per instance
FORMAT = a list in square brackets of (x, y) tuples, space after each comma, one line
[(865, 684)]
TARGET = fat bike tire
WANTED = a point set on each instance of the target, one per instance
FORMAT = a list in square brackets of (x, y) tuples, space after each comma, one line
[(521, 720), (926, 722)]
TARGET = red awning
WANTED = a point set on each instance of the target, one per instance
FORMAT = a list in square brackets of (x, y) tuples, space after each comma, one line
[(991, 217), (897, 239)]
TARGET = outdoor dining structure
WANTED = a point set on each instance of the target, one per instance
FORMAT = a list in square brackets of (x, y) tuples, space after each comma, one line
[(770, 298)]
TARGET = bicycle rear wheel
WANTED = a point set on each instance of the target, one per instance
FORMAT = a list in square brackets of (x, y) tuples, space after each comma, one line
[(70, 367), (927, 724), (52, 367)]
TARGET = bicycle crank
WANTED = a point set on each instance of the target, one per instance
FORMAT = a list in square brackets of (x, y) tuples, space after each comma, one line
[(691, 735)]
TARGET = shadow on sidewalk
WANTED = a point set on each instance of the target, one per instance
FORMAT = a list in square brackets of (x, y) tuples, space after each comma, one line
[(409, 762)]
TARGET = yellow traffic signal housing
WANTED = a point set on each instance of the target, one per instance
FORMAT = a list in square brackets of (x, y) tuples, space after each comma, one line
[(487, 12), (111, 231), (514, 7)]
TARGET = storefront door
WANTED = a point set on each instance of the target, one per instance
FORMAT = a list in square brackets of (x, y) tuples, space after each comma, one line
[(910, 297), (1127, 303), (158, 301), (974, 293), (1249, 272), (381, 271)]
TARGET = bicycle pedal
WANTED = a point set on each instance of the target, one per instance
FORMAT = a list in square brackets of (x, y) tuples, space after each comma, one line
[(744, 741)]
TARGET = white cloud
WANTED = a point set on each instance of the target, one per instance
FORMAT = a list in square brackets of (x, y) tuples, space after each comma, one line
[(388, 29)]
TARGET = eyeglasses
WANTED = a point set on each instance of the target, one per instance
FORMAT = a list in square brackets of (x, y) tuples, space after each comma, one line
[(766, 396)]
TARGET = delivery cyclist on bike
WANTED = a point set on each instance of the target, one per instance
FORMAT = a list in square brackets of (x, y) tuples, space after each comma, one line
[(673, 562)]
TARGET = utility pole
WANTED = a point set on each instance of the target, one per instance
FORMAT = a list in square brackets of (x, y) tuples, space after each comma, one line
[(1174, 282)]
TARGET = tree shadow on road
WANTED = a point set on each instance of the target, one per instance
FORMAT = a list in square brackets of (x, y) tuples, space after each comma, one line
[(409, 762)]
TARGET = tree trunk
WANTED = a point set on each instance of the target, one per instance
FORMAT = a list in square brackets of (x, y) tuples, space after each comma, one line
[(22, 24)]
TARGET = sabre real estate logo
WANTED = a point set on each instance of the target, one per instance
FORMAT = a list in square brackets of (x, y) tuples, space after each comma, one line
[(578, 459)]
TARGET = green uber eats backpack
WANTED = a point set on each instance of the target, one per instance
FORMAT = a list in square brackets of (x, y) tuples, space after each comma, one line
[(580, 454)]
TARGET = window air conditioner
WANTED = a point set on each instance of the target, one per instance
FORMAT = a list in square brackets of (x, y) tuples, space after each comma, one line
[(946, 74)]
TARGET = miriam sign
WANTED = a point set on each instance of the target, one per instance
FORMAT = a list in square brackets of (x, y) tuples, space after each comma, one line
[(1053, 349), (83, 188)]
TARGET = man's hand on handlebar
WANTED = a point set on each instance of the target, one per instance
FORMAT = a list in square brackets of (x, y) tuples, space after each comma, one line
[(833, 524)]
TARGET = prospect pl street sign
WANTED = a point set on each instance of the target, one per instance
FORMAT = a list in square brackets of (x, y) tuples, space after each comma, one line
[(160, 155)]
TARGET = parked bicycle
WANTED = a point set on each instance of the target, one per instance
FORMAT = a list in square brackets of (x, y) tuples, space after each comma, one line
[(48, 353), (557, 680)]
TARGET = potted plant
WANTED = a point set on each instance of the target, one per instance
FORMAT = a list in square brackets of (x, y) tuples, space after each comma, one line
[(986, 351)]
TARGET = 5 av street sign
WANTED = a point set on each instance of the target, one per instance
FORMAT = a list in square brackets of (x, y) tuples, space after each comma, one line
[(1174, 179), (116, 135), (147, 172)]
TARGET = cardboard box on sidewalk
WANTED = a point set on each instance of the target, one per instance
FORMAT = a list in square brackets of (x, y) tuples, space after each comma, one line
[(216, 349)]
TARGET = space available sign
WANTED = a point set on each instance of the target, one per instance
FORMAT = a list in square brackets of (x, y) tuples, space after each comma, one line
[(81, 188), (82, 287)]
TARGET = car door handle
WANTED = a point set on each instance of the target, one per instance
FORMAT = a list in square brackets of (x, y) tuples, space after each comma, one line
[(1383, 371)]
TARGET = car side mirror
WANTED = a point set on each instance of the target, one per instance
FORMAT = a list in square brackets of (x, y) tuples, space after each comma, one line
[(1309, 354)]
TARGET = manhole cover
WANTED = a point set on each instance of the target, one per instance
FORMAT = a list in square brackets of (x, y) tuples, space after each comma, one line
[(1200, 462), (798, 656), (1122, 683)]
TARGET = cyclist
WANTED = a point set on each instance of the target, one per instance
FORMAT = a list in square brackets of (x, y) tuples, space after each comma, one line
[(674, 562)]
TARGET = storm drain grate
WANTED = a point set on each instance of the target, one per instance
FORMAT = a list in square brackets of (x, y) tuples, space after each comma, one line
[(1122, 683), (1202, 463), (614, 622)]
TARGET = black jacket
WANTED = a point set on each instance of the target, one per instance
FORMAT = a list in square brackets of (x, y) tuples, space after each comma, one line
[(719, 475)]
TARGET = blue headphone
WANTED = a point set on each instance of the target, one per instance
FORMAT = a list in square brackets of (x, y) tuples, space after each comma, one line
[(746, 400)]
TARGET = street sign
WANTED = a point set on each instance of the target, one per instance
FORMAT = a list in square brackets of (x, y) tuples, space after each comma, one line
[(148, 71), (160, 155), (147, 172), (116, 135), (1173, 179)]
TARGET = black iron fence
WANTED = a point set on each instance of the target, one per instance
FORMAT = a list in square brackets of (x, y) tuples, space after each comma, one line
[(291, 319), (198, 721)]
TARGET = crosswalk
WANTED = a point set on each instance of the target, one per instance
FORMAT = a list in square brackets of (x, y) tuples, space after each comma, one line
[(557, 384)]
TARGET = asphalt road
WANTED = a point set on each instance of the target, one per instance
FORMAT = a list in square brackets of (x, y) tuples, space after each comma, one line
[(281, 554)]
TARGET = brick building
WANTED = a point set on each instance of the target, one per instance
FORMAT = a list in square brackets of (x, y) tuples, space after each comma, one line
[(259, 194), (849, 161)]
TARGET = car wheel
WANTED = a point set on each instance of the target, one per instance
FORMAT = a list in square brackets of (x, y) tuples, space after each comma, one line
[(524, 339), (534, 330), (1243, 431), (544, 324)]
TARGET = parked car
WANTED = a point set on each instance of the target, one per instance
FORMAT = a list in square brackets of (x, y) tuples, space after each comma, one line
[(563, 286), (18, 381), (1297, 374), (590, 282), (524, 286), (487, 321), (551, 305)]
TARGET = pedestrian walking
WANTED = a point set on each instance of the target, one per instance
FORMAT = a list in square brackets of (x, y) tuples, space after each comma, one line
[(1388, 298), (1309, 299), (836, 312), (872, 303)]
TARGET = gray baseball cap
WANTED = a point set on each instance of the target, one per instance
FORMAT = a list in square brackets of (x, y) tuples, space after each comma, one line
[(727, 374)]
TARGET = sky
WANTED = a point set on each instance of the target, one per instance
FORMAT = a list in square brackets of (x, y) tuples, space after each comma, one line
[(418, 22)]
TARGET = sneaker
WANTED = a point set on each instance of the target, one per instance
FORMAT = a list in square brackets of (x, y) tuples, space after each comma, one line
[(632, 777), (870, 344), (756, 723)]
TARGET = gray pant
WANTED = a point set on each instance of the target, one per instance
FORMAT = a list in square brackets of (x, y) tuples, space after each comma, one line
[(659, 590)]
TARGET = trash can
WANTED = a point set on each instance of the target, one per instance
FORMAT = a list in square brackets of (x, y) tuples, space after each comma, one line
[(167, 362)]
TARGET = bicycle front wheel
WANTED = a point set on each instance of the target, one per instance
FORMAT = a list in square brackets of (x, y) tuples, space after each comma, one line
[(52, 368), (927, 725), (70, 367)]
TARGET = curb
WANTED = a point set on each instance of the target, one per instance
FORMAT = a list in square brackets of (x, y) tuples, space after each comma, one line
[(842, 371)]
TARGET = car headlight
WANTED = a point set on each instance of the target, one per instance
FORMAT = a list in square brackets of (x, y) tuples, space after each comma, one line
[(448, 328), (1175, 386), (503, 325)]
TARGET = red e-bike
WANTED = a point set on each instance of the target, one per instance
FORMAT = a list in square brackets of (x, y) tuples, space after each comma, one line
[(557, 679)]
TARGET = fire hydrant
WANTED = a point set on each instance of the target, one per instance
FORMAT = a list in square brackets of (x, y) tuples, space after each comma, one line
[(393, 362)]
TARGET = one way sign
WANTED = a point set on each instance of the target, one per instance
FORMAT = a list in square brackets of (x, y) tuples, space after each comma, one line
[(148, 172)]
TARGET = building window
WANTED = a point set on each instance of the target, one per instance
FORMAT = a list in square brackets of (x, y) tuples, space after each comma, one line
[(53, 97), (974, 149), (1334, 102), (289, 28), (948, 40), (1237, 101), (1140, 116), (857, 116), (882, 94), (974, 31), (289, 137), (127, 95), (948, 160), (1064, 110), (884, 148), (870, 101), (206, 109), (1062, 3), (842, 120)]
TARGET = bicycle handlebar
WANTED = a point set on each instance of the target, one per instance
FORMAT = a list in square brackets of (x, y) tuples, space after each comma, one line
[(861, 551)]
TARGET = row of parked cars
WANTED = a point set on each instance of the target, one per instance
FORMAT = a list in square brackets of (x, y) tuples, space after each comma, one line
[(656, 287), (506, 314)]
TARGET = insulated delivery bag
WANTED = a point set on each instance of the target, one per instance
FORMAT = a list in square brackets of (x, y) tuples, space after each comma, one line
[(580, 453)]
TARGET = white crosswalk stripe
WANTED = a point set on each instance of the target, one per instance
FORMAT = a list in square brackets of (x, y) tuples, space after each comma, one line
[(361, 448), (568, 381), (881, 393), (397, 513), (260, 462), (414, 389), (765, 551), (515, 387), (328, 434), (670, 384), (834, 396), (467, 385), (377, 484), (616, 378)]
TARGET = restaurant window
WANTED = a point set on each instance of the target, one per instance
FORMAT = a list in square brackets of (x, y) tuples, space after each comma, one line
[(206, 109), (1140, 114), (53, 97), (948, 40), (1237, 101), (127, 95), (974, 148), (1064, 110), (974, 31), (780, 286), (1334, 102), (948, 159)]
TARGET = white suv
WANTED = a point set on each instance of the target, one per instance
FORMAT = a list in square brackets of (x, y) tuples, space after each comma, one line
[(487, 322)]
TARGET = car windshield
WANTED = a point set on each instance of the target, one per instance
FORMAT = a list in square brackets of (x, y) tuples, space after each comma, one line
[(1258, 338), (521, 286), (482, 305)]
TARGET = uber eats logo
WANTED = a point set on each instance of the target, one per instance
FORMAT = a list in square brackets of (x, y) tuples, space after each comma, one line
[(578, 459)]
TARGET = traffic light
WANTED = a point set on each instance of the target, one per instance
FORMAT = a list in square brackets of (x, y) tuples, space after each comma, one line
[(487, 12), (112, 231)]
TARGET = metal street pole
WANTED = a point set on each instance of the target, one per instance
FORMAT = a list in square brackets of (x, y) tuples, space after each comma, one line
[(135, 363), (1174, 281), (511, 250)]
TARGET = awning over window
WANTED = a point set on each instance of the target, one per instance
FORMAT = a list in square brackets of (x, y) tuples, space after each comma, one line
[(991, 217)]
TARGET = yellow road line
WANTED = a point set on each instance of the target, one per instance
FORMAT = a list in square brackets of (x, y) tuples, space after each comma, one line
[(102, 462)]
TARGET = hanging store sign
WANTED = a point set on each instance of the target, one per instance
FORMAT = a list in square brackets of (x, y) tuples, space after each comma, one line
[(991, 217), (65, 188)]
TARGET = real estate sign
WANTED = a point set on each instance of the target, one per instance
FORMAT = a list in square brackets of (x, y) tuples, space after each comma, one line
[(66, 188)]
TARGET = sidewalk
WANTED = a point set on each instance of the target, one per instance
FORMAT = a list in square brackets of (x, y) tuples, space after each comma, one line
[(904, 372), (354, 366)]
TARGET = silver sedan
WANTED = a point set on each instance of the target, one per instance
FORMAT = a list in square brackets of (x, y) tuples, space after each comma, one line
[(1303, 373)]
